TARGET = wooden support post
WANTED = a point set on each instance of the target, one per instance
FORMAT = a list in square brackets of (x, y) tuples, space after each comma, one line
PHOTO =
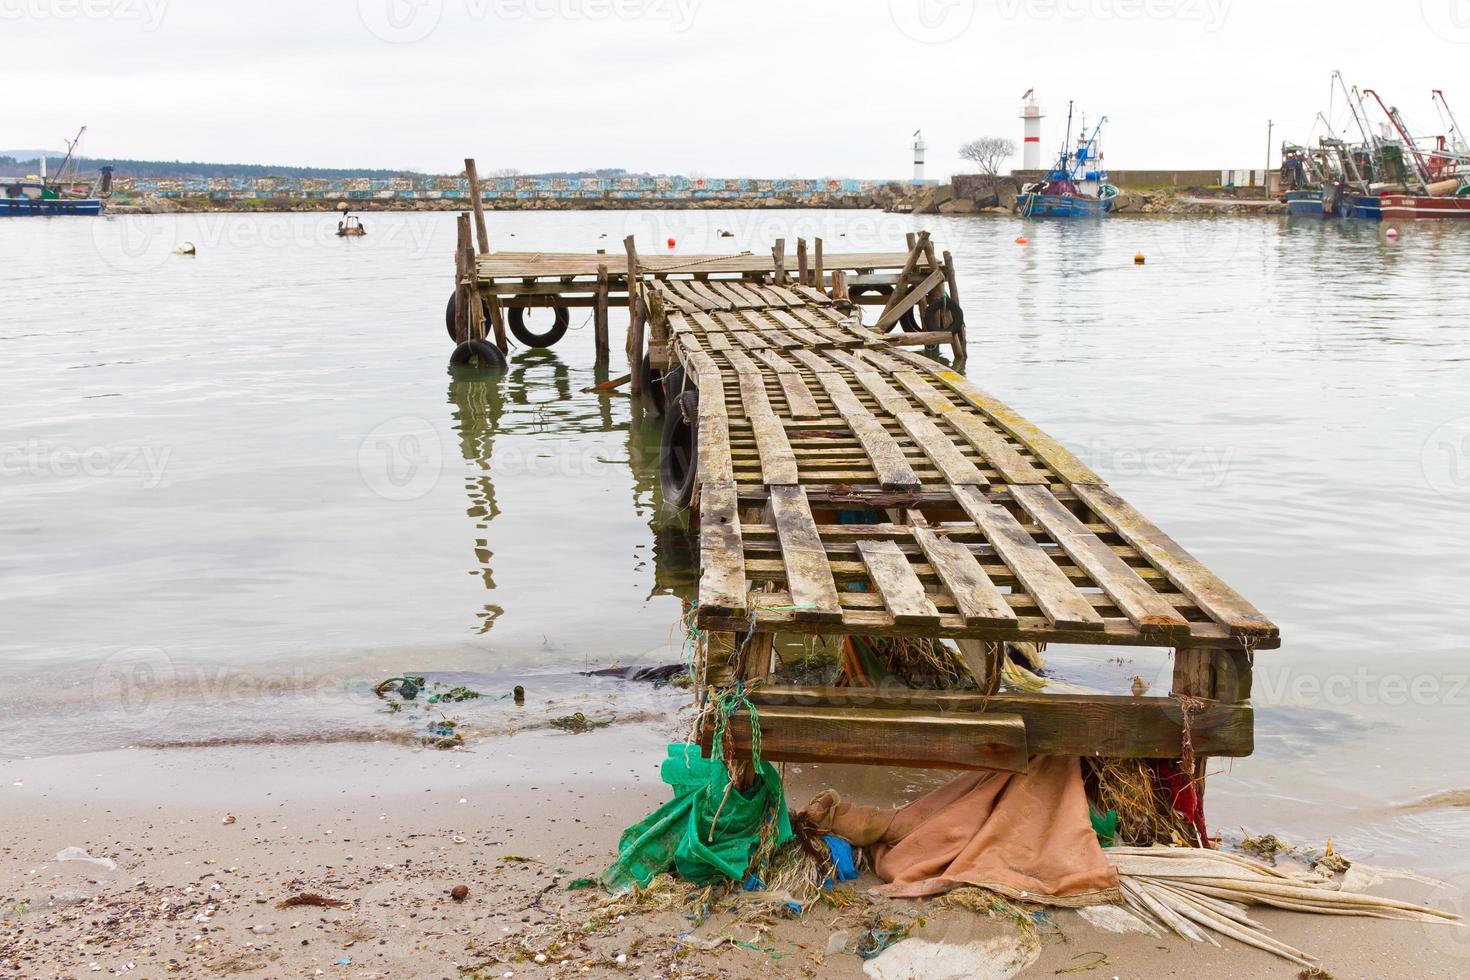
[(1222, 674), (599, 316), (481, 235), (901, 289), (839, 288), (960, 345), (635, 321), (820, 281), (801, 265), (778, 253), (461, 279), (497, 315)]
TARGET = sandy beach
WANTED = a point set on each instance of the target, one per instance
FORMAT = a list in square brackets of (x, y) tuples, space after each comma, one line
[(208, 842)]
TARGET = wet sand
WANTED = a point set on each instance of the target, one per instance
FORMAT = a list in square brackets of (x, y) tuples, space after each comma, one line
[(391, 831)]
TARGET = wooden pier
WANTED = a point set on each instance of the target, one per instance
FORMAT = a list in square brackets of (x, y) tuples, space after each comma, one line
[(844, 485)]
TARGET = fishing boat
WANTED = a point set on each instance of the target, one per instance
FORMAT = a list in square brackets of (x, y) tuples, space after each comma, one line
[(1077, 186), (63, 194)]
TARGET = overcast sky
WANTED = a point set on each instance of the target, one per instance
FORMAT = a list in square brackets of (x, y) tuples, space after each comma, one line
[(715, 87)]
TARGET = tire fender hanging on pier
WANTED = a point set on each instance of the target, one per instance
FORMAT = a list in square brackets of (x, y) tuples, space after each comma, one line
[(516, 320), (678, 450)]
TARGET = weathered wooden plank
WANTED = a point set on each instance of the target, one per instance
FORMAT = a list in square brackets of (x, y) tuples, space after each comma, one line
[(976, 597), (777, 461), (685, 296), (894, 579), (953, 465), (894, 471), (1057, 724), (813, 592), (800, 402), (819, 364), (1220, 602), (721, 552), (1148, 610), (748, 299), (713, 439), (1056, 596), (973, 741), (911, 299), (1010, 464), (717, 340), (796, 328)]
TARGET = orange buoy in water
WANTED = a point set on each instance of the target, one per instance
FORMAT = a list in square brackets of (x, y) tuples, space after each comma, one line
[(671, 243), (1021, 240), (1138, 258)]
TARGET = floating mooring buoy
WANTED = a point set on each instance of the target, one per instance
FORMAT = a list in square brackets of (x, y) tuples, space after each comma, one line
[(1021, 240), (672, 243), (1138, 258), (1392, 233)]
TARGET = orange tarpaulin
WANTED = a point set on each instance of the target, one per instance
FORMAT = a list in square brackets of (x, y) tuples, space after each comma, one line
[(1025, 835)]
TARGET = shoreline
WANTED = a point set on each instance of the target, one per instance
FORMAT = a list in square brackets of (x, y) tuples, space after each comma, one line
[(1141, 203), (208, 840)]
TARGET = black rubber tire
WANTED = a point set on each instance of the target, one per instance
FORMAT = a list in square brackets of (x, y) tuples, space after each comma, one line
[(516, 320), (945, 309), (678, 450), (478, 354), (449, 315), (651, 381), (673, 382)]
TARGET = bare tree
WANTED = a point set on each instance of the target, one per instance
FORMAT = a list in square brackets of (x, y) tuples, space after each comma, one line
[(988, 153), (505, 172)]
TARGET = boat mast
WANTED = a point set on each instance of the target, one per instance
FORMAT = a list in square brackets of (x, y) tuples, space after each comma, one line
[(71, 149), (1458, 139), (1413, 148)]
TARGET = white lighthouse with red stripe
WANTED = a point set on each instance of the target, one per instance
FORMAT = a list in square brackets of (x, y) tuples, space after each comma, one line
[(1031, 117)]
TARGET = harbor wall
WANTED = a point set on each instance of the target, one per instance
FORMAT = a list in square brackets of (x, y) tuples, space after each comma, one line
[(573, 191)]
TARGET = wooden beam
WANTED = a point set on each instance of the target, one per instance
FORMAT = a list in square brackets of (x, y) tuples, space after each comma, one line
[(1058, 724), (635, 321), (481, 234), (801, 264), (897, 309), (884, 737)]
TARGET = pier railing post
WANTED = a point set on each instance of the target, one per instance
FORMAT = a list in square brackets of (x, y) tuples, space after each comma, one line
[(635, 321), (599, 316)]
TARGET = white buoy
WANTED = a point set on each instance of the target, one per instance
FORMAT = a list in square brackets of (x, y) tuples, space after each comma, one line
[(1031, 116), (919, 148)]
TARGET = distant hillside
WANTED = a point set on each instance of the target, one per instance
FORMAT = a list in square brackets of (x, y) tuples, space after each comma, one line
[(18, 163)]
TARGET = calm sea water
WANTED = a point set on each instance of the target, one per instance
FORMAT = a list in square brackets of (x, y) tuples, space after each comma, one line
[(237, 488)]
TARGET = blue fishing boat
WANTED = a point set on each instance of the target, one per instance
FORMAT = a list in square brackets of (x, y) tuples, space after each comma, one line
[(1077, 186), (62, 195)]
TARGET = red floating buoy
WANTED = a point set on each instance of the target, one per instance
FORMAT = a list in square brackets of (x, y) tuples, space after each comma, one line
[(671, 243), (1021, 240)]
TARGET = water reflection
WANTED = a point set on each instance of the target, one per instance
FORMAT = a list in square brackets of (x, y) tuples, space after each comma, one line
[(479, 405)]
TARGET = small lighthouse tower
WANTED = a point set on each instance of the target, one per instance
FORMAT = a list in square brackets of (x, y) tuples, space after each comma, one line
[(919, 148), (1031, 117)]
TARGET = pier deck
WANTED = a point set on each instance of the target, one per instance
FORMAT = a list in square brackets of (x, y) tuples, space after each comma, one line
[(844, 486)]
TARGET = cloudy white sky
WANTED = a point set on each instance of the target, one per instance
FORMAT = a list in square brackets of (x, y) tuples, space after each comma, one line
[(719, 87)]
